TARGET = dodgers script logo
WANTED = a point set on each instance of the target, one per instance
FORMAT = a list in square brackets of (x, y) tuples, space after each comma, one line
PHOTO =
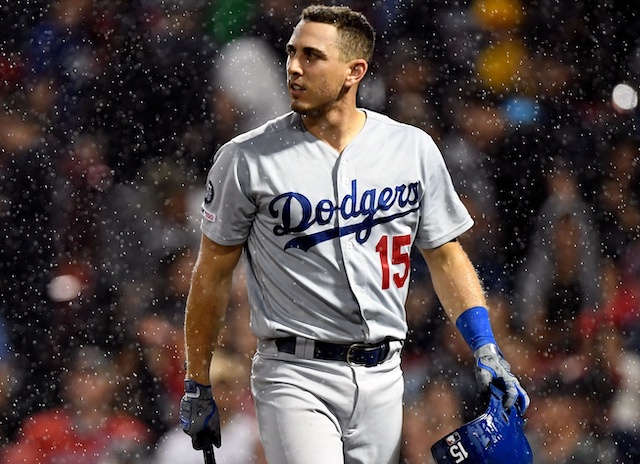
[(353, 205)]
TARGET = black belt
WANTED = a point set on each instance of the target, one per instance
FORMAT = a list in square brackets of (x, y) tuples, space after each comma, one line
[(357, 353)]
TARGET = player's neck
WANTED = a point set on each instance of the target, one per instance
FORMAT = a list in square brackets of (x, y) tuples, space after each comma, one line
[(337, 127)]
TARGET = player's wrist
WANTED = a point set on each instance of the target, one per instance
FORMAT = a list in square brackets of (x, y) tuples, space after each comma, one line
[(193, 389), (475, 327)]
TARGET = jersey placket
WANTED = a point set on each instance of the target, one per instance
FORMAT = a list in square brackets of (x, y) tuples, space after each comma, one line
[(345, 175)]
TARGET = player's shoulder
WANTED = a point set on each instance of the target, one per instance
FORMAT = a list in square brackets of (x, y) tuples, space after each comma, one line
[(271, 129), (264, 138), (385, 124)]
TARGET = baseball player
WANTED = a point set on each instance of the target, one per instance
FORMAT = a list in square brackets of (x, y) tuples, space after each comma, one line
[(327, 201)]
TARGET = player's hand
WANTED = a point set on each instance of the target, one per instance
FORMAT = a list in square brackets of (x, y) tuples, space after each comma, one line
[(199, 416), (491, 367)]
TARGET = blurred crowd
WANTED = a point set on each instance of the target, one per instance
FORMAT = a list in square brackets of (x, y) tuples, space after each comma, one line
[(111, 112)]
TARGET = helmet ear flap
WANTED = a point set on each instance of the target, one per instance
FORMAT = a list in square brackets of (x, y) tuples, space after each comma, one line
[(495, 437)]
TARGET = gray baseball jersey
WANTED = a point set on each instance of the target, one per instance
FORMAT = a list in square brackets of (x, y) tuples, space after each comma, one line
[(328, 236)]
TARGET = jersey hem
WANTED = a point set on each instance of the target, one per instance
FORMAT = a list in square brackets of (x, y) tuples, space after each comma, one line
[(220, 240), (448, 237)]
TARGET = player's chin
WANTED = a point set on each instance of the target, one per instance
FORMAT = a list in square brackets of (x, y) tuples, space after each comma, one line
[(299, 107), (313, 111)]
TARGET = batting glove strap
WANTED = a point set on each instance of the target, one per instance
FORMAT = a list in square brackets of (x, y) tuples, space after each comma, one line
[(491, 367), (199, 416), (195, 390)]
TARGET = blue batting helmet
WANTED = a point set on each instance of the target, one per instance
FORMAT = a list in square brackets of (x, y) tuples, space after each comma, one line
[(495, 437)]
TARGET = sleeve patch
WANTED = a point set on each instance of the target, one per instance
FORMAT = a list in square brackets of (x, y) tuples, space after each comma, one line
[(208, 216)]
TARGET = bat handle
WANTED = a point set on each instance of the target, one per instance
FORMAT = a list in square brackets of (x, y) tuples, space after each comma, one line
[(209, 456)]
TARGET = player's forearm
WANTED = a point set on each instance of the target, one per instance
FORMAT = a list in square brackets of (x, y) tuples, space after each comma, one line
[(205, 310), (207, 304), (454, 278)]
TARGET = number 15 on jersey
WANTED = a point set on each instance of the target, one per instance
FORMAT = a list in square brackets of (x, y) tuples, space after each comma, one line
[(394, 252)]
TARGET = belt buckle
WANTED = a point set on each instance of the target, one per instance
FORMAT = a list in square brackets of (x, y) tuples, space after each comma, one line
[(361, 346)]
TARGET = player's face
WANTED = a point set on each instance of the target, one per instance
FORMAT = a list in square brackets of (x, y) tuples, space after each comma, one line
[(315, 72)]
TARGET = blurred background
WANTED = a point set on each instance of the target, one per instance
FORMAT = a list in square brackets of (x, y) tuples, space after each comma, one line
[(111, 113)]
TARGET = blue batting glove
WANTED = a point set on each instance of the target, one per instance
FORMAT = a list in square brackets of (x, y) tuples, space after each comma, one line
[(491, 367), (199, 415)]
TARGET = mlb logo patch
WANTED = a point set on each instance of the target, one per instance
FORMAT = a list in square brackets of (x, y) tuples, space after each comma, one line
[(453, 438)]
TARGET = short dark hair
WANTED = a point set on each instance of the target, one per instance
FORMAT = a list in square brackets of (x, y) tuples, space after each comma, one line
[(357, 36)]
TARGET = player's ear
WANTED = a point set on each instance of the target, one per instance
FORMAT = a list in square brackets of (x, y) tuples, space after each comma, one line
[(358, 68)]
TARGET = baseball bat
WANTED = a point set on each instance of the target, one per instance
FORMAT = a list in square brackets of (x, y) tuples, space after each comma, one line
[(209, 456)]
